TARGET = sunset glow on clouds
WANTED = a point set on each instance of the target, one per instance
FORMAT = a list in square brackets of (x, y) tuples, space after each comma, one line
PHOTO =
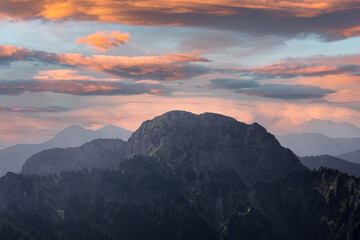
[(94, 62), (103, 41)]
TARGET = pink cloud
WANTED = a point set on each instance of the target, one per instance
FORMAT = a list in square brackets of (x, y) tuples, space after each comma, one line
[(67, 74)]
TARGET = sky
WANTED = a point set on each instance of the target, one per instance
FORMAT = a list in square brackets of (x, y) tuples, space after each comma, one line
[(98, 62)]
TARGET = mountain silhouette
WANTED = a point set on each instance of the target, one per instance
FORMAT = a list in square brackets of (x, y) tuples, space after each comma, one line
[(185, 176)]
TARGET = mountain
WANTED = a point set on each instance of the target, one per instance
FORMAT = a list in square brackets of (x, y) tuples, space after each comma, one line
[(72, 136), (13, 158), (111, 131), (209, 140), (330, 128), (309, 144), (99, 153), (316, 162), (186, 176), (205, 142), (351, 156)]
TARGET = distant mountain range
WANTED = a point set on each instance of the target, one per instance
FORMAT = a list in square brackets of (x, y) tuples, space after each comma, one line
[(185, 176), (308, 144), (316, 162), (13, 158), (351, 156), (329, 128)]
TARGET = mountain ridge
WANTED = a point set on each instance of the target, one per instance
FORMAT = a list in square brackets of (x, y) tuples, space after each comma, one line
[(204, 142), (195, 182), (316, 162)]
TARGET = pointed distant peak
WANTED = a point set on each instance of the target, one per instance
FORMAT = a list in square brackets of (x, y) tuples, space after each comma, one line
[(112, 131), (108, 126)]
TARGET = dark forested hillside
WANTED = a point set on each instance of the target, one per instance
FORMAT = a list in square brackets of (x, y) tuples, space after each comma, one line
[(147, 198)]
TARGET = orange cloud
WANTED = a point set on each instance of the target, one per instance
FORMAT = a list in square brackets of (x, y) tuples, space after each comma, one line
[(16, 53), (165, 67), (307, 67), (103, 41), (333, 18), (67, 74), (108, 10), (169, 66)]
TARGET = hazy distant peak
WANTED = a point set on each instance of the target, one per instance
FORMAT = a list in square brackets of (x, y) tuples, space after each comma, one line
[(112, 131), (109, 126), (330, 128)]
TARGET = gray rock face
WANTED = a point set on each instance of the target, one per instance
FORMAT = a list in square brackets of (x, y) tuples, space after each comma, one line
[(100, 153), (209, 141)]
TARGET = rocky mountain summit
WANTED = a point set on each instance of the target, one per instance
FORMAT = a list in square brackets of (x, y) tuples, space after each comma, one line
[(209, 141)]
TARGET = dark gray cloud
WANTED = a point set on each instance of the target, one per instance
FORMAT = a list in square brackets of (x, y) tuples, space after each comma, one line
[(230, 83), (278, 91), (261, 22), (81, 88), (165, 72), (287, 92)]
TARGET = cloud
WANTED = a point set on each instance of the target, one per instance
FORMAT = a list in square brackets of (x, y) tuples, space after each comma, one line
[(23, 109), (287, 92), (81, 88), (169, 66), (103, 41), (68, 74), (332, 19), (306, 67), (230, 83), (277, 91)]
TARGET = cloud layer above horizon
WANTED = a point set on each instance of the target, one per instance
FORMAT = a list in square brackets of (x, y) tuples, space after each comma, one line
[(97, 62)]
